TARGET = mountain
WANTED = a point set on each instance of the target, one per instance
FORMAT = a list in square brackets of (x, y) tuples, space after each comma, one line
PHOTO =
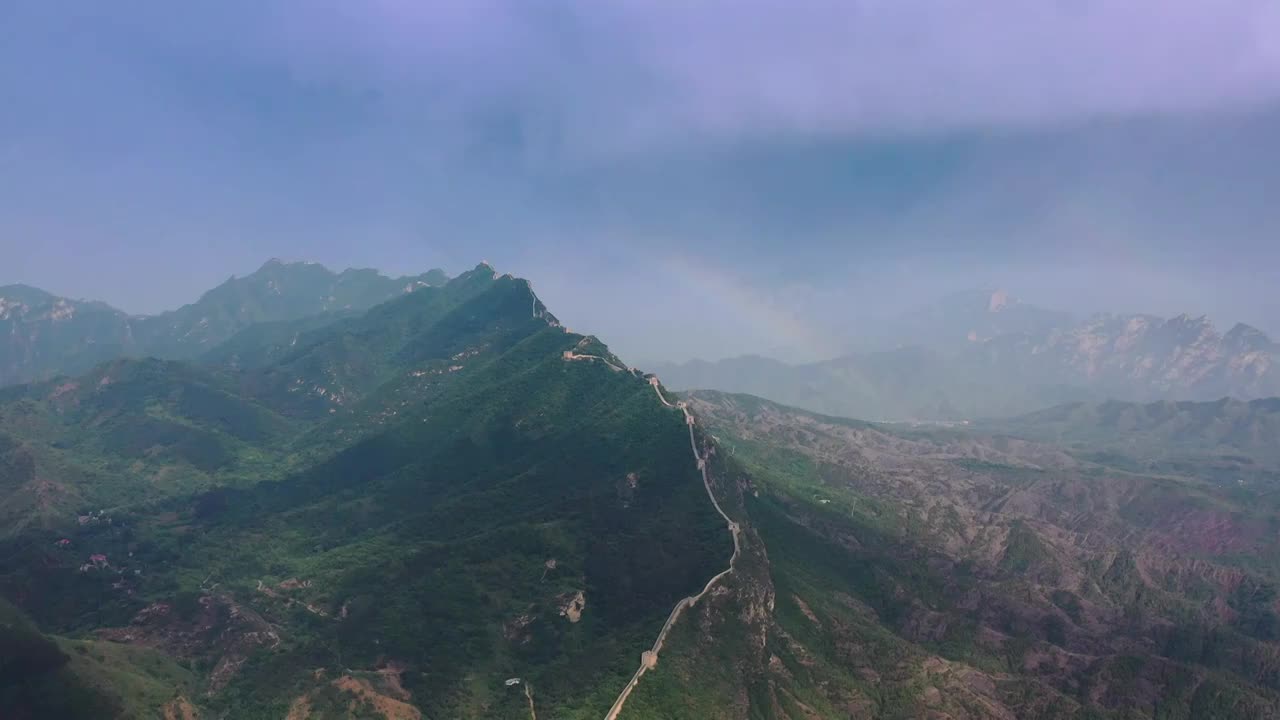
[(278, 291), (1002, 371), (405, 510), (42, 335), (1143, 357), (449, 505), (1225, 440)]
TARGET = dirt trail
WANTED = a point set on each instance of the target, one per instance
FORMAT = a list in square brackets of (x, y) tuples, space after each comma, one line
[(533, 714), (649, 659)]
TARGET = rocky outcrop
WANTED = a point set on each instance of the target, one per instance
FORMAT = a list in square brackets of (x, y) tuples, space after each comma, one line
[(1146, 357), (216, 629)]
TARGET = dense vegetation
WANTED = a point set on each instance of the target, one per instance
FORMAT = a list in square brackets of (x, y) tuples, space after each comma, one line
[(429, 492)]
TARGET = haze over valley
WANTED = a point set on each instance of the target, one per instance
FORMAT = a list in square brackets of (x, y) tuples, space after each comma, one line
[(985, 354)]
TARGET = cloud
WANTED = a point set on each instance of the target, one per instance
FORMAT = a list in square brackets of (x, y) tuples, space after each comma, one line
[(574, 75), (832, 143), (634, 72), (840, 66)]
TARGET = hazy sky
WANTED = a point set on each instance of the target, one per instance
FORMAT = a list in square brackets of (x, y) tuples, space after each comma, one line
[(682, 178)]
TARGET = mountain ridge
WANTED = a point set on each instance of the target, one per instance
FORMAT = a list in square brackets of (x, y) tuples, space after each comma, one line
[(449, 505), (456, 489), (42, 335)]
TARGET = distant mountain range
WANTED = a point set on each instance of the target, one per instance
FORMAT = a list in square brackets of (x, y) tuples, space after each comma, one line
[(1222, 441), (42, 335), (991, 355), (1249, 427)]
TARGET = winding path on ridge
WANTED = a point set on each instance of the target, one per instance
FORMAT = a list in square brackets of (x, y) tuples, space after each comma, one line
[(571, 355), (649, 659)]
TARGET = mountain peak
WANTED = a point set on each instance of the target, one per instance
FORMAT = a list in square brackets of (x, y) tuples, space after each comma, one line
[(482, 270), (1243, 329), (1189, 327), (1189, 319), (25, 294), (1246, 337), (276, 264), (999, 300)]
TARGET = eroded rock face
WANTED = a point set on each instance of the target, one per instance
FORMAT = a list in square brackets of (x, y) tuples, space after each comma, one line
[(516, 630), (379, 692), (217, 629), (572, 605)]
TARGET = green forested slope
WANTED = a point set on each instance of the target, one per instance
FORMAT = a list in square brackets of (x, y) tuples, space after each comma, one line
[(459, 506), (42, 335)]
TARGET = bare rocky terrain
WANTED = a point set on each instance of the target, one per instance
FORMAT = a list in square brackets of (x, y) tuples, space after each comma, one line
[(952, 574)]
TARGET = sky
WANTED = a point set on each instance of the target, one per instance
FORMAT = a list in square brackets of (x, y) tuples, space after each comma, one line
[(683, 179)]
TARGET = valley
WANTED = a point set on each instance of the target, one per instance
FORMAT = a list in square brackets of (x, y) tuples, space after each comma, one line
[(947, 573)]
